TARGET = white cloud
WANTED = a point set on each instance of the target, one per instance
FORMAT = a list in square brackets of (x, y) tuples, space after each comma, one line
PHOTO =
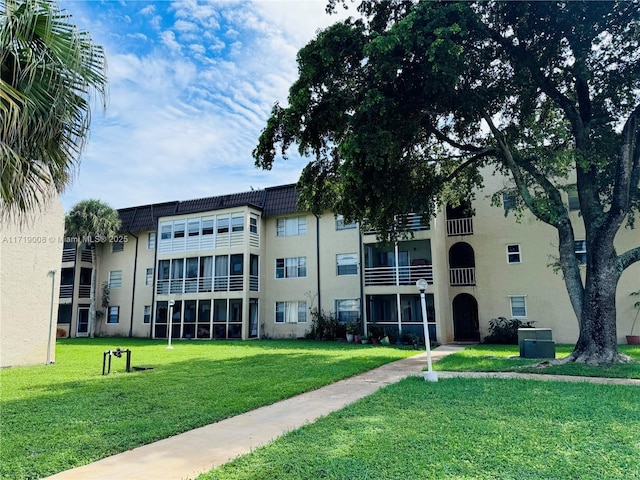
[(184, 118)]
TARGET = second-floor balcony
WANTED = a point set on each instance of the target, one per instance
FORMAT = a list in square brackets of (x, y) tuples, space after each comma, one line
[(459, 226), (226, 283), (394, 276), (459, 277)]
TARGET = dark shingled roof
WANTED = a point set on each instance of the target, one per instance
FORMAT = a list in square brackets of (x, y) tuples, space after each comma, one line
[(272, 201)]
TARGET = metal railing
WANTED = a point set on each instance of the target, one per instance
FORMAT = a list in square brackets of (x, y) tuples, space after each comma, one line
[(462, 276), (66, 291), (404, 275), (460, 226)]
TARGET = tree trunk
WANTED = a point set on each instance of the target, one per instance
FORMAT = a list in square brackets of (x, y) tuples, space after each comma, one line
[(92, 307), (598, 340)]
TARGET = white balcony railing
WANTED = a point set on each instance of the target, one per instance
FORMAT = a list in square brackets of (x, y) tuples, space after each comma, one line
[(462, 276), (460, 226), (66, 291), (84, 291), (233, 283), (405, 275)]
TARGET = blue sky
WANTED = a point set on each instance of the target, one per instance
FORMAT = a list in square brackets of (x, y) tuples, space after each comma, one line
[(191, 84)]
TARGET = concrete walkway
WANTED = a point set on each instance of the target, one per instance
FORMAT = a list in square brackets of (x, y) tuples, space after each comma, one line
[(191, 453)]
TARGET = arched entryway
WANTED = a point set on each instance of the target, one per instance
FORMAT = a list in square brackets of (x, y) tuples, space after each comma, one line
[(465, 318), (462, 264)]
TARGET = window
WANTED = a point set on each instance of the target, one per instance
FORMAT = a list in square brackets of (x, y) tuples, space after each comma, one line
[(509, 201), (288, 227), (114, 315), (581, 251), (194, 227), (237, 224), (573, 200), (341, 225), (347, 264), (291, 312), (513, 254), (165, 231), (347, 310), (293, 267), (148, 279), (64, 313), (518, 305), (223, 225), (117, 247), (207, 227), (151, 240), (253, 225), (178, 230), (115, 279), (146, 318)]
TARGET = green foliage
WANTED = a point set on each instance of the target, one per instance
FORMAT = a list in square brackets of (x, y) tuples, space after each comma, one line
[(55, 417), (324, 326), (637, 307), (401, 111), (483, 429), (50, 69), (93, 220), (503, 331)]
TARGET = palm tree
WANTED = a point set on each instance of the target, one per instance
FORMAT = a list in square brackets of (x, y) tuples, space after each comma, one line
[(92, 222), (48, 71)]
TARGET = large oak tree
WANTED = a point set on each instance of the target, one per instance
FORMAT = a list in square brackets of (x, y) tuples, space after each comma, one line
[(401, 108)]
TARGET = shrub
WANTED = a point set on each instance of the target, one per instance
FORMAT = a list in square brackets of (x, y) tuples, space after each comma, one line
[(503, 331), (324, 326)]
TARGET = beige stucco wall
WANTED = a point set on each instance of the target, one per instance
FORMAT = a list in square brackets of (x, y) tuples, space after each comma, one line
[(29, 251)]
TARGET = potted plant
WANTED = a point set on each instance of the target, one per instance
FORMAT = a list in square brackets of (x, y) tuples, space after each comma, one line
[(631, 338), (351, 328)]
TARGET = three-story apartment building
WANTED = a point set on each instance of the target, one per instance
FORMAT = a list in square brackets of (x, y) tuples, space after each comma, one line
[(251, 265)]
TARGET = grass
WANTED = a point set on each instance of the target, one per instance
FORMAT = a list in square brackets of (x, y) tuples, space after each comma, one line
[(55, 417), (505, 358), (461, 429)]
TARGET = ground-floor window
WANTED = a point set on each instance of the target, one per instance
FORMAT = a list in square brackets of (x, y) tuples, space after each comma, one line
[(347, 310), (114, 315), (64, 313), (291, 312)]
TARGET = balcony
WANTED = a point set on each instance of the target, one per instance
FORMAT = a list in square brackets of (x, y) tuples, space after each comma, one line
[(394, 276), (66, 291), (459, 277), (460, 226), (231, 283), (69, 255), (84, 291)]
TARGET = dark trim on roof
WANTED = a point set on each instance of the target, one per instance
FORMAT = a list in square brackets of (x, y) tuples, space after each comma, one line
[(279, 200)]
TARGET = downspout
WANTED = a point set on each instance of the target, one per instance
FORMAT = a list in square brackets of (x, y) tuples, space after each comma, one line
[(318, 261), (133, 291), (155, 275), (53, 293), (363, 314)]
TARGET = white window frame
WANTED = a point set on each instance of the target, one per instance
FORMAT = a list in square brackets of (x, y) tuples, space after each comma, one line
[(111, 314), (509, 201), (117, 247), (291, 267), (148, 278), (291, 226), (341, 262), (341, 225), (166, 231), (151, 241), (146, 314), (115, 279), (290, 312), (514, 257), (512, 300), (350, 302)]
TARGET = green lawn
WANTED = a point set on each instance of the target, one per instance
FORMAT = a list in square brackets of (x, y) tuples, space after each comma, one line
[(55, 417), (462, 429), (505, 358)]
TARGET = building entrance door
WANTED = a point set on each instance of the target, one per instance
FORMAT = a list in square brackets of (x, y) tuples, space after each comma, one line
[(465, 318), (82, 326)]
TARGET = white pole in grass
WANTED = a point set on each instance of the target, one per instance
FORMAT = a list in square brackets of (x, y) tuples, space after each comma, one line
[(170, 326), (429, 375)]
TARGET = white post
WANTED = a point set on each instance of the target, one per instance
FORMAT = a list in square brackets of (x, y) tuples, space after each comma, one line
[(53, 292), (169, 327), (429, 375)]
